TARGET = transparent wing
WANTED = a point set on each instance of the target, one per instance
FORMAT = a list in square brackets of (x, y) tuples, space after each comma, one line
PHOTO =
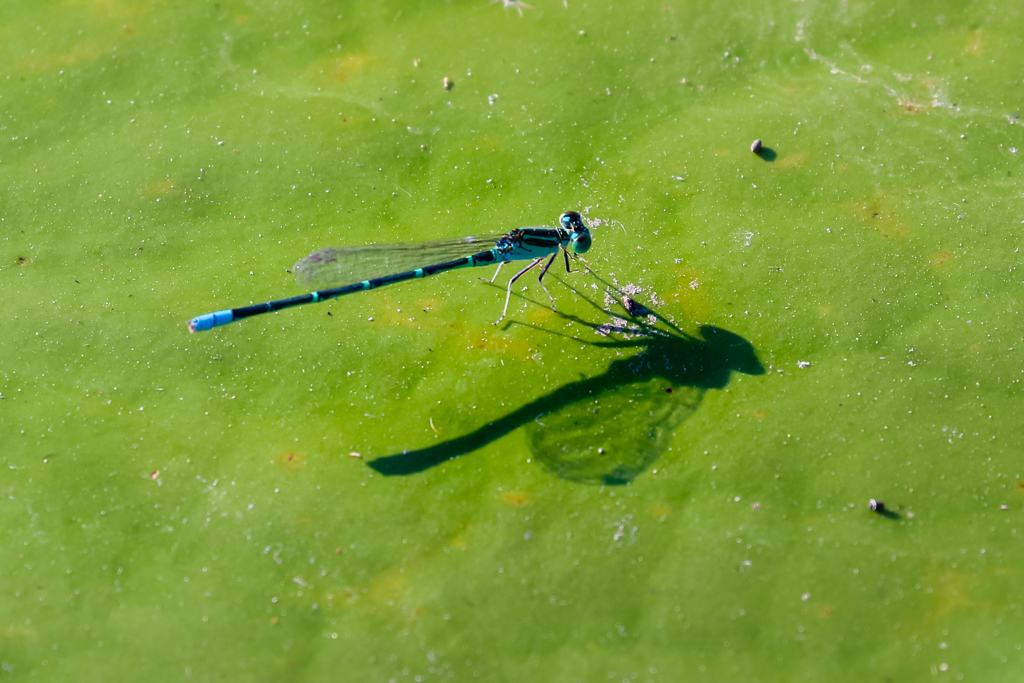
[(348, 265)]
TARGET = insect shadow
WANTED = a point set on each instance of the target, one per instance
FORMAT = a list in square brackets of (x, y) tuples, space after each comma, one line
[(608, 429)]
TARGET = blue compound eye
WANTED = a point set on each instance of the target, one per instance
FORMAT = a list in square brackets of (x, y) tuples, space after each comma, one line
[(566, 220), (581, 241)]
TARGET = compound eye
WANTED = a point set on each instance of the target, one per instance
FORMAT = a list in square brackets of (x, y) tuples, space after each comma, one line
[(581, 242), (566, 220)]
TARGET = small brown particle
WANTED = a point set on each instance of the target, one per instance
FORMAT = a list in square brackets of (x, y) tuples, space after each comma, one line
[(448, 83), (632, 307)]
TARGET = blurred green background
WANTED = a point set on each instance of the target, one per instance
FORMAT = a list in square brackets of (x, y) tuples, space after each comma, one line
[(182, 507)]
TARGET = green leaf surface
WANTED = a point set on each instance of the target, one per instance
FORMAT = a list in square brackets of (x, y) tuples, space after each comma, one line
[(387, 486)]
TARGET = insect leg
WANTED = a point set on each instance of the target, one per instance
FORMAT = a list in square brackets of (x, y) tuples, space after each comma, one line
[(496, 273), (508, 293), (540, 280)]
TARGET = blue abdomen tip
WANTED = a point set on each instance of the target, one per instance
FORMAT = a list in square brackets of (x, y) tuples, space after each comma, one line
[(208, 321)]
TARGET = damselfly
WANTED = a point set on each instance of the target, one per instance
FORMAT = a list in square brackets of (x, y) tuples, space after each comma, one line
[(354, 264)]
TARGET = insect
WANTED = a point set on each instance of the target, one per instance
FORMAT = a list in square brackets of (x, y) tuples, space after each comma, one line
[(406, 262)]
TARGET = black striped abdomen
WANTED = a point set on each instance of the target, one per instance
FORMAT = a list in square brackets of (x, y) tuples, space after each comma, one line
[(485, 258)]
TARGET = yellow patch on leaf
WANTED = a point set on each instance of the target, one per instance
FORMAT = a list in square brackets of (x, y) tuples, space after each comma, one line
[(516, 499), (38, 63), (975, 44), (159, 188), (340, 69), (796, 160), (942, 261), (950, 590), (691, 293), (17, 631), (290, 461), (879, 214), (491, 143), (535, 315)]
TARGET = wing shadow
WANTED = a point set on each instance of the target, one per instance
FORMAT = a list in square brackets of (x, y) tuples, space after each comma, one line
[(567, 427)]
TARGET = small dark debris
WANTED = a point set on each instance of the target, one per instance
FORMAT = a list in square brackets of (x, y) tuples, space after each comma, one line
[(632, 307), (668, 390), (329, 313), (876, 506), (755, 146)]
